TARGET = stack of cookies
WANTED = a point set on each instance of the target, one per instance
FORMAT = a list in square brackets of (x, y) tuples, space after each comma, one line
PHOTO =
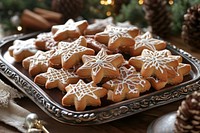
[(103, 59)]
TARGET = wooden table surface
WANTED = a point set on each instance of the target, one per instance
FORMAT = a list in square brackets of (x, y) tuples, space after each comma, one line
[(137, 123)]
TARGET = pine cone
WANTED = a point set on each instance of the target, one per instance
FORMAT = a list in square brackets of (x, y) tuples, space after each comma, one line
[(191, 26), (188, 115), (157, 16), (69, 8)]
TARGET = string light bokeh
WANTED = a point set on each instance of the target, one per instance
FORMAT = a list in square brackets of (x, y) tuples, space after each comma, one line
[(141, 2), (108, 3)]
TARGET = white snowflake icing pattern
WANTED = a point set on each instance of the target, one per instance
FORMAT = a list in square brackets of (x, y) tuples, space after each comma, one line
[(21, 45), (157, 59), (116, 32), (100, 24), (128, 77), (101, 60), (147, 41), (68, 49), (81, 89), (47, 38), (69, 26), (40, 58)]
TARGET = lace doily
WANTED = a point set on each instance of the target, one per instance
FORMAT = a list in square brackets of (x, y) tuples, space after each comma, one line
[(7, 93)]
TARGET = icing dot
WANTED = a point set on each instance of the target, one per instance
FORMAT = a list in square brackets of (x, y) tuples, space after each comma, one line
[(99, 62)]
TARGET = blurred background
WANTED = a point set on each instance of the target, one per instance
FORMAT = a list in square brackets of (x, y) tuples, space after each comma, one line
[(160, 15)]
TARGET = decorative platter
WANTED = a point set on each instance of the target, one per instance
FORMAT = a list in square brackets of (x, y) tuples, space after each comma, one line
[(50, 100)]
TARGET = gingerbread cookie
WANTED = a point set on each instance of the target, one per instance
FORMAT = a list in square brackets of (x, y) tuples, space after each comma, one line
[(56, 78), (97, 46), (70, 53), (181, 71), (146, 41), (37, 63), (70, 29), (125, 24), (22, 49), (160, 64), (45, 41), (83, 94), (99, 66), (98, 26), (117, 37), (128, 85)]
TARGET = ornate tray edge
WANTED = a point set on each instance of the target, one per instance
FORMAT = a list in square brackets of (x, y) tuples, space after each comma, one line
[(100, 116)]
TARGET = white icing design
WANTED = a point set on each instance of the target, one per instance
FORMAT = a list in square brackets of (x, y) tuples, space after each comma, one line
[(82, 89), (70, 26), (21, 45), (100, 24), (68, 49), (126, 24), (59, 75), (157, 59), (128, 77), (178, 74), (117, 32), (99, 62), (47, 38), (44, 36), (40, 58), (146, 41)]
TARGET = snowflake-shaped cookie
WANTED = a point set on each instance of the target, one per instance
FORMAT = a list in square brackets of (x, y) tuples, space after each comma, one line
[(56, 78), (181, 71), (160, 64), (70, 53), (38, 62), (83, 94), (70, 29), (22, 49), (128, 85), (45, 41), (117, 37), (146, 41), (101, 65)]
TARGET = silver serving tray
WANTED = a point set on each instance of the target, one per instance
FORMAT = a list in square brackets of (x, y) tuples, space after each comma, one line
[(50, 100)]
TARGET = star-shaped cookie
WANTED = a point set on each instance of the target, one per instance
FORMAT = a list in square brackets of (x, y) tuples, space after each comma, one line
[(45, 41), (22, 49), (97, 46), (37, 63), (161, 64), (125, 24), (117, 37), (70, 29), (146, 41), (181, 71), (98, 26), (83, 94), (128, 85), (59, 78), (70, 53), (101, 65)]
